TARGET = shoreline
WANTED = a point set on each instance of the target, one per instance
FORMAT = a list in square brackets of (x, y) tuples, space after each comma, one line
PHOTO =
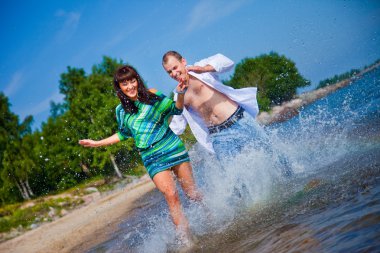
[(84, 227), (291, 108)]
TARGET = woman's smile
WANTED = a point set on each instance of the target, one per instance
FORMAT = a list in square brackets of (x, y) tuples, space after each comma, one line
[(129, 88)]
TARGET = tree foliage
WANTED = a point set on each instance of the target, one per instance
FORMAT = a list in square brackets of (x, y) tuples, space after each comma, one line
[(50, 159), (276, 78), (347, 75), (16, 154), (338, 78)]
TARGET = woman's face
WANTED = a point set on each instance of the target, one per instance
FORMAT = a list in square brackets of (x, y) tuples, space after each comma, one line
[(129, 88)]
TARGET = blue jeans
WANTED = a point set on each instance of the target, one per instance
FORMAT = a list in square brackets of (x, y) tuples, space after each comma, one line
[(230, 141), (246, 132)]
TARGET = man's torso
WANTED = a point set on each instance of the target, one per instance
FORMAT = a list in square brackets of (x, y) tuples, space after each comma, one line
[(213, 106)]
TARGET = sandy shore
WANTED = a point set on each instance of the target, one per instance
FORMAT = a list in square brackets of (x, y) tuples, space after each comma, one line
[(83, 228)]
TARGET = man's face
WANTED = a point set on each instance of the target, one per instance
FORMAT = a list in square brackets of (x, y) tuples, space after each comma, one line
[(175, 68)]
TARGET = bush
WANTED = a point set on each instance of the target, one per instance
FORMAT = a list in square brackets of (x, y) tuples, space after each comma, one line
[(27, 216), (66, 182)]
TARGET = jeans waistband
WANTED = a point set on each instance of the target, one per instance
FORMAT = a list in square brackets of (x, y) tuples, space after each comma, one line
[(238, 114)]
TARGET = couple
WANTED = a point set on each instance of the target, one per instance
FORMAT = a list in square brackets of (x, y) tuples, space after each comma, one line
[(215, 113)]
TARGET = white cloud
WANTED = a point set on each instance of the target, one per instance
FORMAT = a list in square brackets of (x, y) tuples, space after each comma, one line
[(14, 84), (70, 24), (207, 12)]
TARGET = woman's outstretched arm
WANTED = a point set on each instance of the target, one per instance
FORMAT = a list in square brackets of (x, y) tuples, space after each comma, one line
[(105, 142)]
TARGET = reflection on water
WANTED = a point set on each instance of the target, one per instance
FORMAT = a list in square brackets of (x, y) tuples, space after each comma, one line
[(330, 204)]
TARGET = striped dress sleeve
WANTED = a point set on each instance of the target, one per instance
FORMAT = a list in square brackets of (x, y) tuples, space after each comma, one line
[(123, 131)]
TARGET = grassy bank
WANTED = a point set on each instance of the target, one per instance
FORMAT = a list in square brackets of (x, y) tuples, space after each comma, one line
[(15, 219)]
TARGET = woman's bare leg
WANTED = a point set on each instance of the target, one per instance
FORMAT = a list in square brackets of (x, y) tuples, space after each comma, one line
[(184, 174), (165, 182)]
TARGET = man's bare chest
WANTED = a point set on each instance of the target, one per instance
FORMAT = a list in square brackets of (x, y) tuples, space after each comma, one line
[(198, 93)]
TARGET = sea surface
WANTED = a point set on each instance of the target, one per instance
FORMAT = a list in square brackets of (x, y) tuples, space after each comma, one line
[(330, 203)]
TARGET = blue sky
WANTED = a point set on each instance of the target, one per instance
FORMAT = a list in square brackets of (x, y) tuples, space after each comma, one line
[(39, 39)]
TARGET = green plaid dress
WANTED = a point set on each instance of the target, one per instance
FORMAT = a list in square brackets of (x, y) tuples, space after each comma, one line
[(159, 147)]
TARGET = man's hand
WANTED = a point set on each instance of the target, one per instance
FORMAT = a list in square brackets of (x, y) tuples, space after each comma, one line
[(199, 69)]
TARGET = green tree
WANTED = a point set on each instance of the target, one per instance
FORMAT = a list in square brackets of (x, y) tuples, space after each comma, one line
[(338, 78), (19, 165), (51, 159), (86, 112), (70, 82), (276, 78), (95, 105), (16, 162), (8, 125)]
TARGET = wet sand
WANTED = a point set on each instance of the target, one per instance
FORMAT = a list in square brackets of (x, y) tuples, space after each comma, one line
[(79, 230)]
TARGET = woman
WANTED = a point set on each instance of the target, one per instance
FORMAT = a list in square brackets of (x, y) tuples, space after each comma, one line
[(143, 114)]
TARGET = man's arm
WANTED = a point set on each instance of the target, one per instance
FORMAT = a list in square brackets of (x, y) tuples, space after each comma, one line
[(199, 69), (216, 63), (177, 123)]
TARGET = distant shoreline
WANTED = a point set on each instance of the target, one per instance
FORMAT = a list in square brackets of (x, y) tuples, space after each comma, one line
[(289, 109)]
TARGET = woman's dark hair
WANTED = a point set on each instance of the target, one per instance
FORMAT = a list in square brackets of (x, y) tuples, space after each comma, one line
[(143, 94)]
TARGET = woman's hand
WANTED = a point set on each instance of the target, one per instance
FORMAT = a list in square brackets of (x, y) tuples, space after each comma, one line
[(89, 143), (181, 90), (104, 142), (183, 85)]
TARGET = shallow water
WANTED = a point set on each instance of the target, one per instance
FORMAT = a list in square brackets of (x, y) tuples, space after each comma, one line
[(331, 203)]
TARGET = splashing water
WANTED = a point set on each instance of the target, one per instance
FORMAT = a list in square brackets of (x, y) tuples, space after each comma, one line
[(333, 149)]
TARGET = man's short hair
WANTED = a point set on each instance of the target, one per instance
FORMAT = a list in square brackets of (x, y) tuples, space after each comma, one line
[(175, 54)]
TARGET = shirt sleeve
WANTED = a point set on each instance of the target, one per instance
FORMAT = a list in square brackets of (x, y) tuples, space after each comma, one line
[(219, 62), (178, 124), (123, 132), (174, 110), (160, 94)]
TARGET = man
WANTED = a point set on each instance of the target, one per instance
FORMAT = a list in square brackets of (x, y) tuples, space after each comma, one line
[(221, 118)]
